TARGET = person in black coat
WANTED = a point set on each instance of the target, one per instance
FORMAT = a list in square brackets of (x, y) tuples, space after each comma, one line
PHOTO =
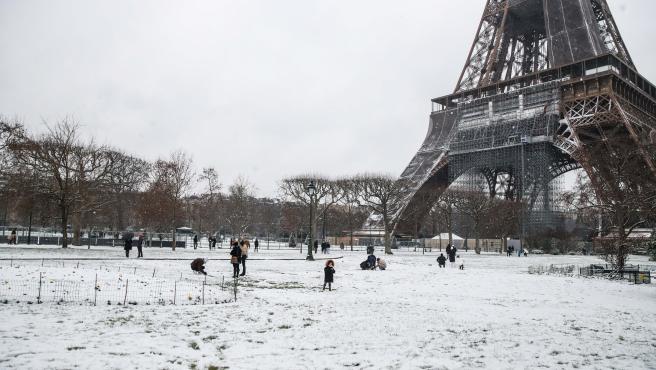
[(128, 246), (316, 246), (328, 273), (195, 241), (198, 265), (140, 246), (441, 260), (452, 256), (235, 258)]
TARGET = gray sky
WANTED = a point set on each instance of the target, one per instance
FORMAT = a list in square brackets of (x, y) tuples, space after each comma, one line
[(263, 89)]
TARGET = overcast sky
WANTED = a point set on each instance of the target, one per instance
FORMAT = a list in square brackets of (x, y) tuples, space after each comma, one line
[(263, 89)]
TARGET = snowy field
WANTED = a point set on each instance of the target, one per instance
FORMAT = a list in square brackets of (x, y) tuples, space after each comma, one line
[(412, 316)]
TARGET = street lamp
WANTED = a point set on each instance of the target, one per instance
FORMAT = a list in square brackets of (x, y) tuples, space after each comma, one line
[(311, 190)]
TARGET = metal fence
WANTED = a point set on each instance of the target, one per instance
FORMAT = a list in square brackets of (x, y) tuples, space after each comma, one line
[(119, 291), (637, 274), (558, 269)]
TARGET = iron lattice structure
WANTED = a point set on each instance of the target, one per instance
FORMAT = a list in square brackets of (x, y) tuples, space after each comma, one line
[(544, 81)]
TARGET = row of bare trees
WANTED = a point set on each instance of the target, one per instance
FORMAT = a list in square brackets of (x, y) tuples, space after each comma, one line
[(58, 177), (355, 197)]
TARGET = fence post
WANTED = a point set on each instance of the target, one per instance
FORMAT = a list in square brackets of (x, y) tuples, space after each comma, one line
[(11, 262), (38, 298), (153, 272), (175, 291), (203, 292), (95, 291), (78, 264), (235, 290), (126, 291), (222, 280), (135, 270), (41, 262)]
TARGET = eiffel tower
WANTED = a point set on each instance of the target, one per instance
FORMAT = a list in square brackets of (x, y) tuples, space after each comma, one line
[(544, 81)]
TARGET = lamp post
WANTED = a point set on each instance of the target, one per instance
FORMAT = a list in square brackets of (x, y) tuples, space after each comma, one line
[(311, 189)]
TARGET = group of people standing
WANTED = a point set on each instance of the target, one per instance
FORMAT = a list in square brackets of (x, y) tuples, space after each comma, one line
[(239, 255), (451, 253), (128, 245)]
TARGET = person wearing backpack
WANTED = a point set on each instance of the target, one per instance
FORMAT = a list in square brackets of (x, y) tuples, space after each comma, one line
[(235, 259)]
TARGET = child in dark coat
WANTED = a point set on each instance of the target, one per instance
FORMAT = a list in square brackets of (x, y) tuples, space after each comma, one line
[(328, 273)]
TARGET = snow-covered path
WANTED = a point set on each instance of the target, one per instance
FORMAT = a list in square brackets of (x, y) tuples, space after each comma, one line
[(414, 315)]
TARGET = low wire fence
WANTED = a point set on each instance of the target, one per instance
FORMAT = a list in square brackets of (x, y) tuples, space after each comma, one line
[(558, 269), (637, 274), (119, 291)]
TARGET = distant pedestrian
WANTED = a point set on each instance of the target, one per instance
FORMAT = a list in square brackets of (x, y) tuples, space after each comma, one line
[(235, 258), (198, 265), (341, 246), (441, 260), (128, 246), (13, 236), (328, 273), (244, 246), (316, 246), (195, 241), (140, 246), (257, 245), (382, 265)]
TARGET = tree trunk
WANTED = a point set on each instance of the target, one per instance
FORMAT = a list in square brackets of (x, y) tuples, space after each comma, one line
[(388, 246), (64, 225), (77, 228)]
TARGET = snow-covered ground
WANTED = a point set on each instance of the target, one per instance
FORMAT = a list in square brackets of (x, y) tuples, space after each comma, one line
[(414, 315)]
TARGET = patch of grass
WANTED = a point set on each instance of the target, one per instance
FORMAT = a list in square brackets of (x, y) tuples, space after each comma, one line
[(75, 348), (284, 327), (194, 345), (209, 338)]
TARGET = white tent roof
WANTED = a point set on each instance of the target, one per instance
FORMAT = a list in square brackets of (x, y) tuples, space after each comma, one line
[(445, 236)]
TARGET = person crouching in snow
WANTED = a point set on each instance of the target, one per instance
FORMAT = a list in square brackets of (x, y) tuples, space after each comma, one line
[(441, 260), (382, 265), (328, 273), (198, 265)]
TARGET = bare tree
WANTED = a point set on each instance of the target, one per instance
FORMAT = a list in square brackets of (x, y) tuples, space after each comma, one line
[(381, 194), (354, 214), (211, 197), (169, 185), (328, 192), (443, 210), (240, 206), (78, 172), (476, 205), (625, 202)]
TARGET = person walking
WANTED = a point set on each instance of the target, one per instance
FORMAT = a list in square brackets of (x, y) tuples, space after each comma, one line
[(235, 259), (245, 246), (128, 246), (316, 246), (328, 273), (257, 245), (13, 236), (195, 241), (140, 246)]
